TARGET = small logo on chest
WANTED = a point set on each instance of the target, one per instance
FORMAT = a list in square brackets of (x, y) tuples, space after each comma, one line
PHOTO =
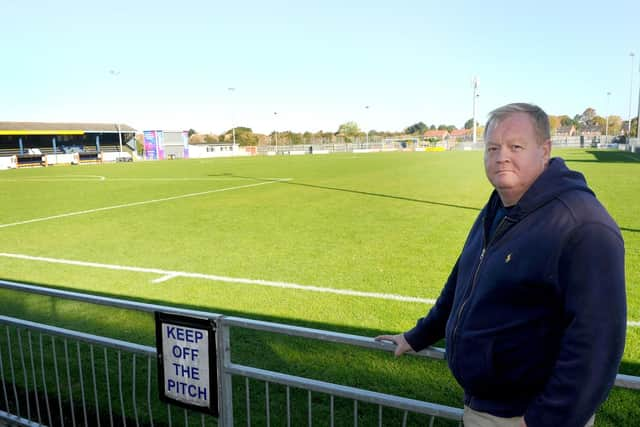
[(507, 259)]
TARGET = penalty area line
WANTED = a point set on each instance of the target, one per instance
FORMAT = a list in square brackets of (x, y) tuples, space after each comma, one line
[(143, 202)]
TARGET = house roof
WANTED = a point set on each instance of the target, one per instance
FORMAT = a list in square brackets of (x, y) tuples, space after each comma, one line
[(65, 128), (436, 133), (460, 132)]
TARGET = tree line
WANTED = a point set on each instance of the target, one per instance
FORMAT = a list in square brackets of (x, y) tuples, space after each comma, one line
[(589, 119), (351, 132)]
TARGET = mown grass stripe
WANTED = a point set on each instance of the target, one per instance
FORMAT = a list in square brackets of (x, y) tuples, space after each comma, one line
[(128, 205), (168, 274)]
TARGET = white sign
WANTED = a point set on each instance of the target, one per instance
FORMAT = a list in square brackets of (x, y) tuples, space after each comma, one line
[(185, 353)]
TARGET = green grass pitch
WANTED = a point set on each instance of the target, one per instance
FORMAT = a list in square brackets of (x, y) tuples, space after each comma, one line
[(349, 224)]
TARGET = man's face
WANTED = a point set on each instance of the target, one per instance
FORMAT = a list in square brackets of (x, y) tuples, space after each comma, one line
[(513, 157)]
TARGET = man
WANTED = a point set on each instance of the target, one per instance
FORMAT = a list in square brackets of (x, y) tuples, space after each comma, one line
[(534, 310)]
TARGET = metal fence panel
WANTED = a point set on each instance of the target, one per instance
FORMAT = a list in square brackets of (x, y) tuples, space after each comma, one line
[(56, 376)]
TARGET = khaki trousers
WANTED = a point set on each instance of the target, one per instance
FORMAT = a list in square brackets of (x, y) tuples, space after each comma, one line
[(472, 418)]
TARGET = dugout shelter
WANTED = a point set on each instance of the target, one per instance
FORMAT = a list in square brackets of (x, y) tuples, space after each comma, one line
[(39, 143)]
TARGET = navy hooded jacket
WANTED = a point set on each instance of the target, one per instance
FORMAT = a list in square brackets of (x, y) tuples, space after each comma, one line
[(535, 317)]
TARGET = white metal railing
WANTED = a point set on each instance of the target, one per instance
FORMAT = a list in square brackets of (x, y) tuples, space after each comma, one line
[(49, 375), (406, 405), (52, 376), (338, 147)]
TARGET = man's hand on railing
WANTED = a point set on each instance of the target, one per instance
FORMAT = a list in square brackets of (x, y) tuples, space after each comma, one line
[(399, 340)]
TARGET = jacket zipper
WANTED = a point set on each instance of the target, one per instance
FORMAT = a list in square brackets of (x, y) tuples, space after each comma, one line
[(475, 277), (473, 284)]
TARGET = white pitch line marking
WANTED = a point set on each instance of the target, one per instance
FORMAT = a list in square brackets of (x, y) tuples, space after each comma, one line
[(164, 279), (94, 178), (168, 274), (144, 202), (59, 178), (212, 178)]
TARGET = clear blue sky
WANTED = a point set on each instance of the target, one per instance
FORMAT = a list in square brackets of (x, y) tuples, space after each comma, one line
[(316, 63)]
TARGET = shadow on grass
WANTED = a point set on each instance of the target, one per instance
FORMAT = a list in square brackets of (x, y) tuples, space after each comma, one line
[(409, 199), (631, 230), (604, 156), (630, 368), (416, 378), (44, 308), (364, 193)]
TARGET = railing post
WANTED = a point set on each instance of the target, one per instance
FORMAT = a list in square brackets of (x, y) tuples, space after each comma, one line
[(225, 386)]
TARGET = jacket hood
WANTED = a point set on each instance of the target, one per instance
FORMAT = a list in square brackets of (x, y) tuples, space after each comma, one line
[(556, 179)]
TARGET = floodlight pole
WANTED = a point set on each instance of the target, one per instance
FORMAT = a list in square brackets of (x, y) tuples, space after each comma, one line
[(475, 96), (631, 54), (275, 115), (119, 137), (366, 107), (606, 127), (116, 73), (638, 116)]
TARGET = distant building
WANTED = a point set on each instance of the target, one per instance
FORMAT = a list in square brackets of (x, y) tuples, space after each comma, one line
[(566, 131), (41, 143), (52, 138), (591, 131), (437, 134), (461, 134)]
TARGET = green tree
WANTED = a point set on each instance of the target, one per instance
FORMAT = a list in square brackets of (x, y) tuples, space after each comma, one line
[(565, 120), (577, 121), (419, 127), (295, 138), (442, 127), (140, 144), (307, 137), (349, 130), (432, 127), (244, 136), (469, 124), (554, 123), (601, 122), (210, 138), (451, 127), (615, 125), (587, 116), (324, 137), (192, 132)]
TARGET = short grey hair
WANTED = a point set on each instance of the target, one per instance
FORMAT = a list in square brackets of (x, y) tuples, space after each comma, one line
[(538, 117)]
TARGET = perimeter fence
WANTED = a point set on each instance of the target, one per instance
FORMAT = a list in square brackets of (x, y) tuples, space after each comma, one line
[(57, 376), (413, 144)]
